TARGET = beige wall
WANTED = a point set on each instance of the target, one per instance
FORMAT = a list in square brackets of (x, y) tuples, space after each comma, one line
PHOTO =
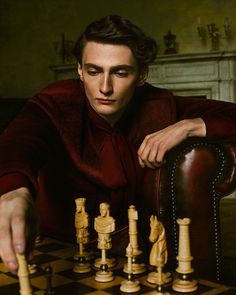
[(29, 28)]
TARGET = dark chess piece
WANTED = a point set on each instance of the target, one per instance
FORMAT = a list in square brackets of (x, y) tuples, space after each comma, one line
[(48, 275)]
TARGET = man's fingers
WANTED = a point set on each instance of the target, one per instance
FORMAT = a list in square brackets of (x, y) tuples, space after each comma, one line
[(143, 152), (151, 153), (141, 162), (145, 164), (18, 232), (6, 249), (14, 206), (159, 159), (143, 145)]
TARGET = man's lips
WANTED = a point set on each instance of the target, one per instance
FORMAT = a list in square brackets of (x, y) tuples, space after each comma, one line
[(105, 100)]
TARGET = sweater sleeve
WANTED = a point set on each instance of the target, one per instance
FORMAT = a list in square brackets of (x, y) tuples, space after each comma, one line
[(24, 147), (219, 116), (12, 181)]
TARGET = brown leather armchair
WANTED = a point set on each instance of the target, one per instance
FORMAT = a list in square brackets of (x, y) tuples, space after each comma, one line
[(198, 173)]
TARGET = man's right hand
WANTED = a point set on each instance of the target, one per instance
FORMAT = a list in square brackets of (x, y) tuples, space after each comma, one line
[(18, 226)]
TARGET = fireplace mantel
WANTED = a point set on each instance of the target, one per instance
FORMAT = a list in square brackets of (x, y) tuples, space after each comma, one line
[(211, 75)]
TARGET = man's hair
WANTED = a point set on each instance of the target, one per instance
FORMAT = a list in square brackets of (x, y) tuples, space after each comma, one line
[(114, 29)]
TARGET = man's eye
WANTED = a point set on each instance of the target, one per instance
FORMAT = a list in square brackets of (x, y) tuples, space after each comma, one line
[(122, 74), (93, 72)]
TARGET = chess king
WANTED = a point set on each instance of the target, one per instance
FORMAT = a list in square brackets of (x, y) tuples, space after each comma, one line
[(82, 234), (81, 222)]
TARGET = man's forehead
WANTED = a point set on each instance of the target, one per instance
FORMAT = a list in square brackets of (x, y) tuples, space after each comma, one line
[(107, 54)]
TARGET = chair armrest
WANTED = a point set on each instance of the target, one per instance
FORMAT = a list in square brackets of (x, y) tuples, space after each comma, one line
[(197, 174)]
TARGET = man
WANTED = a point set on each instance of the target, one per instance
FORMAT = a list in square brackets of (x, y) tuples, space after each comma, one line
[(94, 136)]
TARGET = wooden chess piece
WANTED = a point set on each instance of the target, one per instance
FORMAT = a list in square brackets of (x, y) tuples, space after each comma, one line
[(133, 240), (104, 225), (23, 275), (130, 285), (33, 268), (48, 271), (158, 255), (104, 275), (184, 283), (82, 234)]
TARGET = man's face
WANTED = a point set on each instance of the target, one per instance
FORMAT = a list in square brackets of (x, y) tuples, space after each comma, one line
[(110, 74)]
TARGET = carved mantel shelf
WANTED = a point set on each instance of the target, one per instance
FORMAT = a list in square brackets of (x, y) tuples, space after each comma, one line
[(212, 75), (196, 56)]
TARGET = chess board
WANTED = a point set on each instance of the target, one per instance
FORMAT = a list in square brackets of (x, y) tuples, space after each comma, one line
[(64, 281)]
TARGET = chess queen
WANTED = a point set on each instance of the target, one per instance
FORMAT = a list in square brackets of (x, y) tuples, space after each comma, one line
[(104, 225)]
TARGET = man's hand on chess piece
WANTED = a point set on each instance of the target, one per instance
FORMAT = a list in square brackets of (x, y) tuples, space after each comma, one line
[(18, 226)]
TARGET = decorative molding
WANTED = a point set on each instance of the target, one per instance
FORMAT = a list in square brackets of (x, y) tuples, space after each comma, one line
[(212, 75)]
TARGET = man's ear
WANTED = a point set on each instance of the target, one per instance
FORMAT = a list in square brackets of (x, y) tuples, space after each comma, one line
[(80, 72), (142, 76)]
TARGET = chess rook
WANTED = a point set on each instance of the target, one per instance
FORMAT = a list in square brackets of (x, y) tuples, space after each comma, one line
[(183, 283), (138, 267), (133, 232), (184, 254), (130, 285)]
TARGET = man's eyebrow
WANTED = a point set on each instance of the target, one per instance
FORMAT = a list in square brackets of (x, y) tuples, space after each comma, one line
[(90, 65), (123, 66), (114, 68)]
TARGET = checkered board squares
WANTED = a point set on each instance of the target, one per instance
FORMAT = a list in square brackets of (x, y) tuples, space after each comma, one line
[(64, 281)]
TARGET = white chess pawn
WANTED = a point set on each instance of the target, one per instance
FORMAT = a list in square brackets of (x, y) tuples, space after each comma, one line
[(130, 286)]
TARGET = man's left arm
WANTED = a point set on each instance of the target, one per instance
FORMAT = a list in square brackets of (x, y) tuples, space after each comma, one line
[(195, 117), (155, 145)]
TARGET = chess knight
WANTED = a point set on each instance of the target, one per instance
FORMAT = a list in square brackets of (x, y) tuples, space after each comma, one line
[(104, 225), (157, 236), (158, 255)]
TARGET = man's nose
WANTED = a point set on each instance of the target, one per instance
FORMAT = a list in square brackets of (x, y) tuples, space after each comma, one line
[(106, 86)]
